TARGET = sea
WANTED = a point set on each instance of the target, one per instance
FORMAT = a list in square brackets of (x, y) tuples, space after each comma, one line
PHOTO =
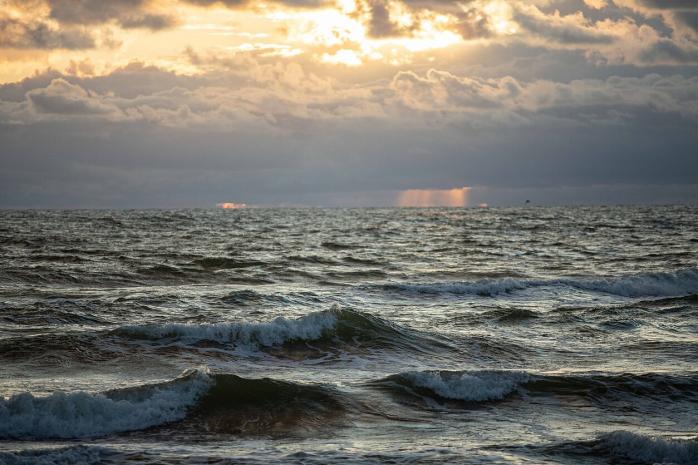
[(349, 336)]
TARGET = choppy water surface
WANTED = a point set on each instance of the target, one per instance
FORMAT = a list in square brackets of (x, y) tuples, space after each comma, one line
[(558, 336)]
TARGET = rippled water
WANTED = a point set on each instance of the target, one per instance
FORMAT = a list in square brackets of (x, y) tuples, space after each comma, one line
[(566, 335)]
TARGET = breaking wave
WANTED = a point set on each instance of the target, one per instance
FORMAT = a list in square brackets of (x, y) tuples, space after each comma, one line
[(337, 327), (467, 386), (83, 414), (265, 406), (637, 448), (197, 401), (625, 447), (318, 334), (490, 385), (275, 332), (656, 284)]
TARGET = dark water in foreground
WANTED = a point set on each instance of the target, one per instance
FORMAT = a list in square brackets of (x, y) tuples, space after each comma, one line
[(542, 336)]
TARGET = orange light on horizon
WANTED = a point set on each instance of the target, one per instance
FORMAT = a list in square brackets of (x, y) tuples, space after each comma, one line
[(457, 197), (231, 205)]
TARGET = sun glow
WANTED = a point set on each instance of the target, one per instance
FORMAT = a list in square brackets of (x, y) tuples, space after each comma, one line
[(343, 57), (342, 37), (499, 14), (457, 197), (340, 33), (231, 205)]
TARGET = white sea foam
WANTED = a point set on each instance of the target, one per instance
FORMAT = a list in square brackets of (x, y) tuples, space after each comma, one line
[(83, 414), (75, 455), (646, 449), (655, 284), (471, 386), (275, 332)]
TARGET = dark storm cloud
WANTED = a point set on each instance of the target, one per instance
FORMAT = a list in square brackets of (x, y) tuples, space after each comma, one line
[(203, 140), (684, 12), (16, 33), (471, 23), (380, 24), (669, 4), (688, 18), (136, 166), (667, 50), (127, 13)]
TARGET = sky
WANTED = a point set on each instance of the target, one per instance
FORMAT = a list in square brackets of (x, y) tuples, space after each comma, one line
[(192, 103)]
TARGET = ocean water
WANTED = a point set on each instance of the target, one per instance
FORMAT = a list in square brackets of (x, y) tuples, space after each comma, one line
[(358, 336)]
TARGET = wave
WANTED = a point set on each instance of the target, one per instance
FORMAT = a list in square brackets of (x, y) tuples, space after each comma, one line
[(654, 284), (362, 261), (245, 297), (490, 385), (41, 314), (658, 385), (196, 401), (467, 386), (314, 259), (628, 447), (332, 245), (83, 414), (74, 455), (53, 349), (511, 315), (646, 449), (251, 335), (162, 271), (265, 406), (339, 328), (357, 274), (67, 276), (225, 263), (315, 335)]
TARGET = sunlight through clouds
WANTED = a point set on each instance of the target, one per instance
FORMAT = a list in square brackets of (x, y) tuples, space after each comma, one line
[(457, 197), (299, 98)]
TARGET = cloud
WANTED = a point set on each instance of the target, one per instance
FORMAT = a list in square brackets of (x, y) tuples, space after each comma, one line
[(688, 18), (37, 34), (266, 133), (624, 32), (288, 99), (442, 91), (679, 14), (665, 50), (468, 19), (253, 3), (127, 13), (669, 4), (63, 98), (567, 29)]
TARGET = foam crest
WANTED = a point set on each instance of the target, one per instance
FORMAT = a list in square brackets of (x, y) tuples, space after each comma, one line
[(83, 414), (646, 449), (276, 332), (655, 284), (469, 386), (74, 455)]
